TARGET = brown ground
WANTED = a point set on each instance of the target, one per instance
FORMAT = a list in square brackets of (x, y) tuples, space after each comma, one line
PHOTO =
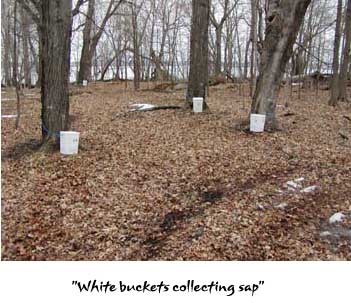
[(172, 185)]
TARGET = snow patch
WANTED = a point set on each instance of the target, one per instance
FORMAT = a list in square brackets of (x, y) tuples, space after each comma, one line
[(324, 234), (8, 116), (295, 184), (260, 207), (299, 180), (282, 205), (336, 218), (142, 106), (309, 189), (292, 185)]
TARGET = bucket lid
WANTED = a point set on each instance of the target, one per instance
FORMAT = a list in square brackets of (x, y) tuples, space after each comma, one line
[(69, 133), (258, 115)]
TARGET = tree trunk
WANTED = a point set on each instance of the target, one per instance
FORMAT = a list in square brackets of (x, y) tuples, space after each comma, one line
[(40, 65), (15, 66), (86, 55), (218, 65), (345, 55), (283, 22), (253, 46), (136, 56), (6, 36), (246, 58), (90, 43), (56, 26), (25, 44), (334, 83), (198, 74)]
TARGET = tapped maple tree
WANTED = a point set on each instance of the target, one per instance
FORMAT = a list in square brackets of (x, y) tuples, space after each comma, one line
[(198, 75), (56, 25), (284, 19)]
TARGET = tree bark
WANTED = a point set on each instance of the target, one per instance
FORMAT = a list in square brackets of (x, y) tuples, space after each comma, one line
[(86, 58), (334, 83), (283, 22), (25, 45), (136, 49), (6, 36), (253, 46), (15, 66), (218, 64), (198, 74), (346, 54), (56, 30)]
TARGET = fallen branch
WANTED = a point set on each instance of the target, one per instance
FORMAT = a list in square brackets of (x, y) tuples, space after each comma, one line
[(343, 136), (147, 109), (161, 107)]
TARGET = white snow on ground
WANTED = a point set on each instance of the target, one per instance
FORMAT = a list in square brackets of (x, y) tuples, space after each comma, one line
[(142, 106), (299, 180), (336, 218), (8, 116), (309, 189), (282, 205), (325, 234), (292, 185), (295, 185), (8, 99)]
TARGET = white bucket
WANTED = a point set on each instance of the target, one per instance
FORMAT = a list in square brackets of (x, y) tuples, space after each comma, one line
[(85, 83), (198, 104), (69, 142), (257, 123)]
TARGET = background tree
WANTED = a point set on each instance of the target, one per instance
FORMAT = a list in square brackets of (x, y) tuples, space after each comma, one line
[(254, 40), (218, 25), (15, 65), (90, 41), (346, 54), (334, 84), (26, 37)]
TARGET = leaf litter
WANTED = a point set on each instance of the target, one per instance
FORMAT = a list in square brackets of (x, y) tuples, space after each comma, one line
[(173, 185)]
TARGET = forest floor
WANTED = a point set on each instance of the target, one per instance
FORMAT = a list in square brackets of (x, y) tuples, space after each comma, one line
[(173, 185)]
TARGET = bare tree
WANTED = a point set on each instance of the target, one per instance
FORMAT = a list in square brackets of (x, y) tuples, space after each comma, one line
[(198, 75), (334, 84), (346, 54), (15, 66), (283, 22), (254, 38), (25, 45), (6, 41), (227, 10), (90, 41), (56, 25), (136, 47)]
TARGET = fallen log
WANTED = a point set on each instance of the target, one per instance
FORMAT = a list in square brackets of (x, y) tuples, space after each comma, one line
[(161, 107), (146, 108)]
